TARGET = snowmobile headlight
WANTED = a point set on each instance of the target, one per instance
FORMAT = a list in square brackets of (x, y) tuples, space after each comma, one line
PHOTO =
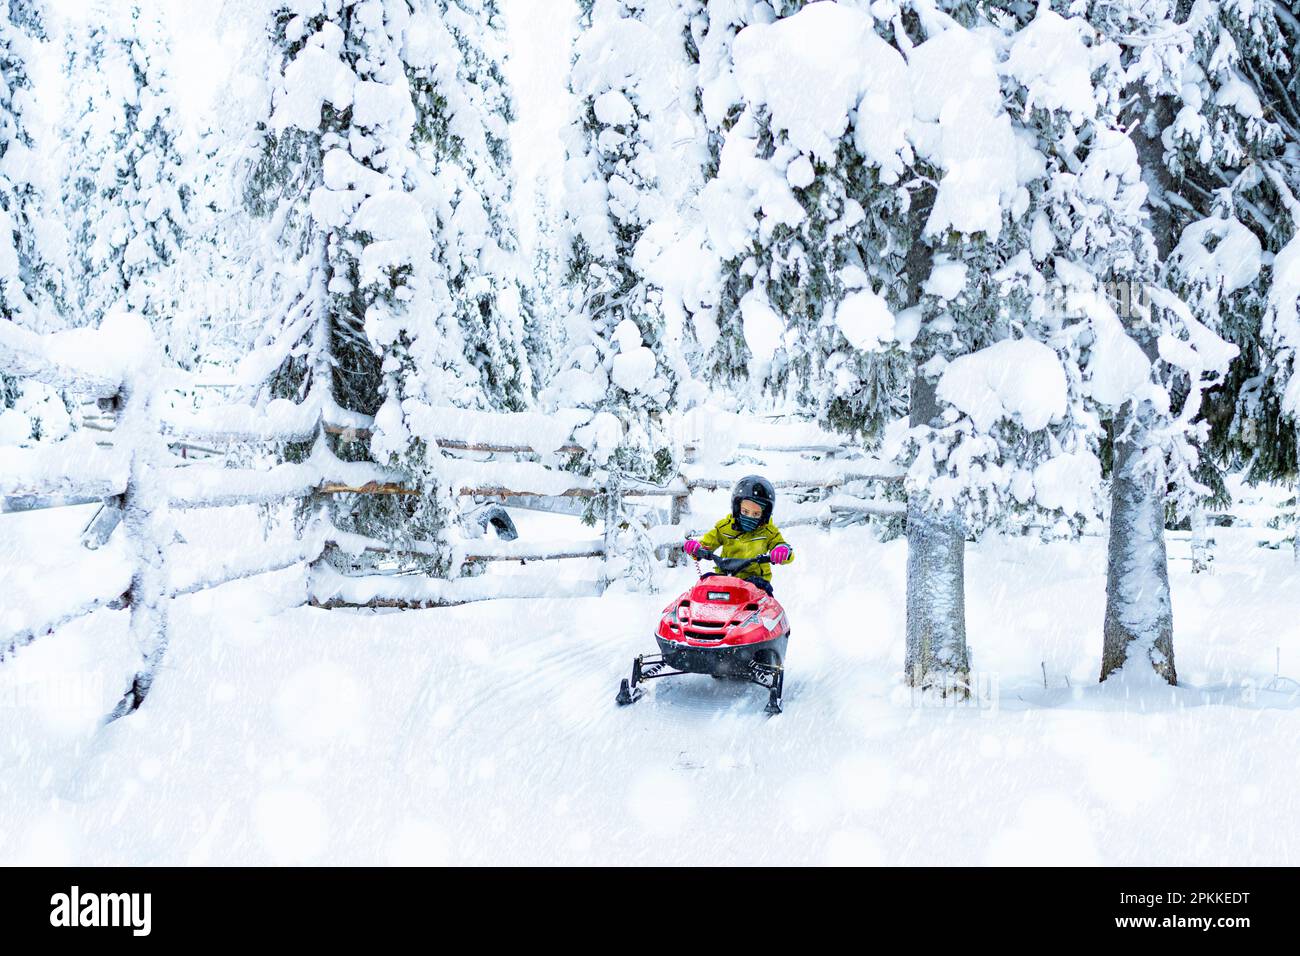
[(771, 622)]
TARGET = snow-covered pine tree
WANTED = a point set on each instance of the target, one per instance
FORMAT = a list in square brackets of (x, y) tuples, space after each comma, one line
[(223, 280), (803, 210), (544, 341), (625, 171), (1139, 612), (33, 244), (100, 84), (216, 295), (364, 327), (1236, 167), (1223, 150), (1037, 219), (1155, 429), (454, 54), (132, 169)]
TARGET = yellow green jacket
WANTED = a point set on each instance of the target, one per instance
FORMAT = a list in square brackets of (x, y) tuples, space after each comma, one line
[(728, 541)]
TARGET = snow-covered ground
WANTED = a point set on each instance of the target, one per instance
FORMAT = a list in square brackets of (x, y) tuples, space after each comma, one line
[(488, 733)]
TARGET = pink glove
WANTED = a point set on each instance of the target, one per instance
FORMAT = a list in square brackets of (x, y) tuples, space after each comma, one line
[(780, 554), (691, 547)]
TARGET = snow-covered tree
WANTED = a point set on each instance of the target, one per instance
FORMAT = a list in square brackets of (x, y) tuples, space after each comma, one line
[(216, 296), (132, 170), (1231, 117), (1225, 152), (1169, 53), (631, 160), (33, 244), (802, 213), (454, 53), (101, 83), (544, 342), (1037, 218), (363, 326)]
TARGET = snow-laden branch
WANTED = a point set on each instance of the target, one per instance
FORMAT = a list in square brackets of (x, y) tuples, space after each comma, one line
[(1287, 17)]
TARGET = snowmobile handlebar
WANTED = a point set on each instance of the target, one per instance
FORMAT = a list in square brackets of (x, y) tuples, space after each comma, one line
[(732, 565)]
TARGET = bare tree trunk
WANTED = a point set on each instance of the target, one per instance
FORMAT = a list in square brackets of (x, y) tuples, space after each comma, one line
[(1139, 616), (936, 588), (936, 601)]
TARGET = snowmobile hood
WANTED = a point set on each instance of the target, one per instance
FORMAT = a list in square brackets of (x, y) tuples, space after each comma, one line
[(725, 591)]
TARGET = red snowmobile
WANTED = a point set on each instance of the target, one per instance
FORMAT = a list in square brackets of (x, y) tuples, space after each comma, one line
[(724, 626)]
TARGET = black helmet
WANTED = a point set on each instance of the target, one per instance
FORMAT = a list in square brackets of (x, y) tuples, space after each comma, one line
[(758, 489)]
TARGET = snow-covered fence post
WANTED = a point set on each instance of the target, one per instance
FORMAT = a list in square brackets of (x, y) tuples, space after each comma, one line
[(145, 504), (675, 510), (101, 527), (1201, 552), (109, 516), (1295, 524), (613, 513)]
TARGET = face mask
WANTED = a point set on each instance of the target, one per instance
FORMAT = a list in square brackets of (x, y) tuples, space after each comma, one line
[(747, 523)]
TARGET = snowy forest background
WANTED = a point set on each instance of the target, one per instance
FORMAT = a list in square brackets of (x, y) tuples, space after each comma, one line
[(1034, 267)]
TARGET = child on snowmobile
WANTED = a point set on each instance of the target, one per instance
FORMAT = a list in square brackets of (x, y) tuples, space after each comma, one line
[(748, 531)]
